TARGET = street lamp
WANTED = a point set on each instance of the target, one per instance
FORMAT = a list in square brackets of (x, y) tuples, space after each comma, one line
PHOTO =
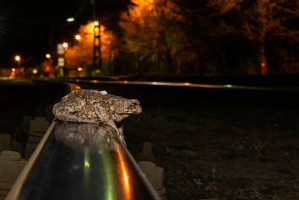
[(48, 56), (77, 37), (65, 45), (34, 71), (17, 58)]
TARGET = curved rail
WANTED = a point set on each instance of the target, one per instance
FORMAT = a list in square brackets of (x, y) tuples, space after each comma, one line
[(81, 161)]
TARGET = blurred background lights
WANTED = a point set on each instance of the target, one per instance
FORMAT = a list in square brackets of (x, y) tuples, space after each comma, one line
[(80, 69), (17, 58), (70, 19), (65, 44), (34, 71), (77, 37), (86, 164), (48, 56)]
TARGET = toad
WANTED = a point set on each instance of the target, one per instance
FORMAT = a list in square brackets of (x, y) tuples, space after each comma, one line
[(94, 106)]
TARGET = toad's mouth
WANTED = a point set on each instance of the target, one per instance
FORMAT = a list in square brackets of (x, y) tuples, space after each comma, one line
[(133, 111)]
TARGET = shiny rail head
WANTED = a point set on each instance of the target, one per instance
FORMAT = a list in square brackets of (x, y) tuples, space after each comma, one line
[(84, 161), (195, 85)]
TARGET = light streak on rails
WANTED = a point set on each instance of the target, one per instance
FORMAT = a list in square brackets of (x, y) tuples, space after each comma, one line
[(194, 85)]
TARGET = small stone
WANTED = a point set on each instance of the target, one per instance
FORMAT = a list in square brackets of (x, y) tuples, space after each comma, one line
[(154, 174)]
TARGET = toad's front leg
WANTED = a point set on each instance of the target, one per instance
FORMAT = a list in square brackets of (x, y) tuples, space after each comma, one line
[(104, 117)]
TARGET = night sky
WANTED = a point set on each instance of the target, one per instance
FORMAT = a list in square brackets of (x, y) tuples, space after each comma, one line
[(32, 28)]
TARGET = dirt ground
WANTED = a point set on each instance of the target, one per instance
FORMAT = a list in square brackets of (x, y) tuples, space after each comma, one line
[(217, 151)]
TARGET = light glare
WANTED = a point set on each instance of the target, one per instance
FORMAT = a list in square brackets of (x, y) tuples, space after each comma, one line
[(48, 56), (70, 19), (80, 69), (86, 164), (17, 58), (65, 45), (34, 71), (78, 37)]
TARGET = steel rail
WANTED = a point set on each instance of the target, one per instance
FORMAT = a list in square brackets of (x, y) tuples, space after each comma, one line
[(81, 161), (188, 84)]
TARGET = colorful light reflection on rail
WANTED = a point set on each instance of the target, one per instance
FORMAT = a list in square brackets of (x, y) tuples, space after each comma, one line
[(125, 175)]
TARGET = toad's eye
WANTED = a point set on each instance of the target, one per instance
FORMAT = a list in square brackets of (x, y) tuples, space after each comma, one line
[(133, 105)]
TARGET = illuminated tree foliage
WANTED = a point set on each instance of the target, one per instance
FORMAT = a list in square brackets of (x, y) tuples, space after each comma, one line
[(80, 54), (153, 33), (258, 20)]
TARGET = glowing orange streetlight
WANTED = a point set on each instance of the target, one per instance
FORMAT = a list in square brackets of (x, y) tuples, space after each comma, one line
[(17, 58), (48, 56), (96, 23), (65, 45), (77, 37), (34, 71)]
